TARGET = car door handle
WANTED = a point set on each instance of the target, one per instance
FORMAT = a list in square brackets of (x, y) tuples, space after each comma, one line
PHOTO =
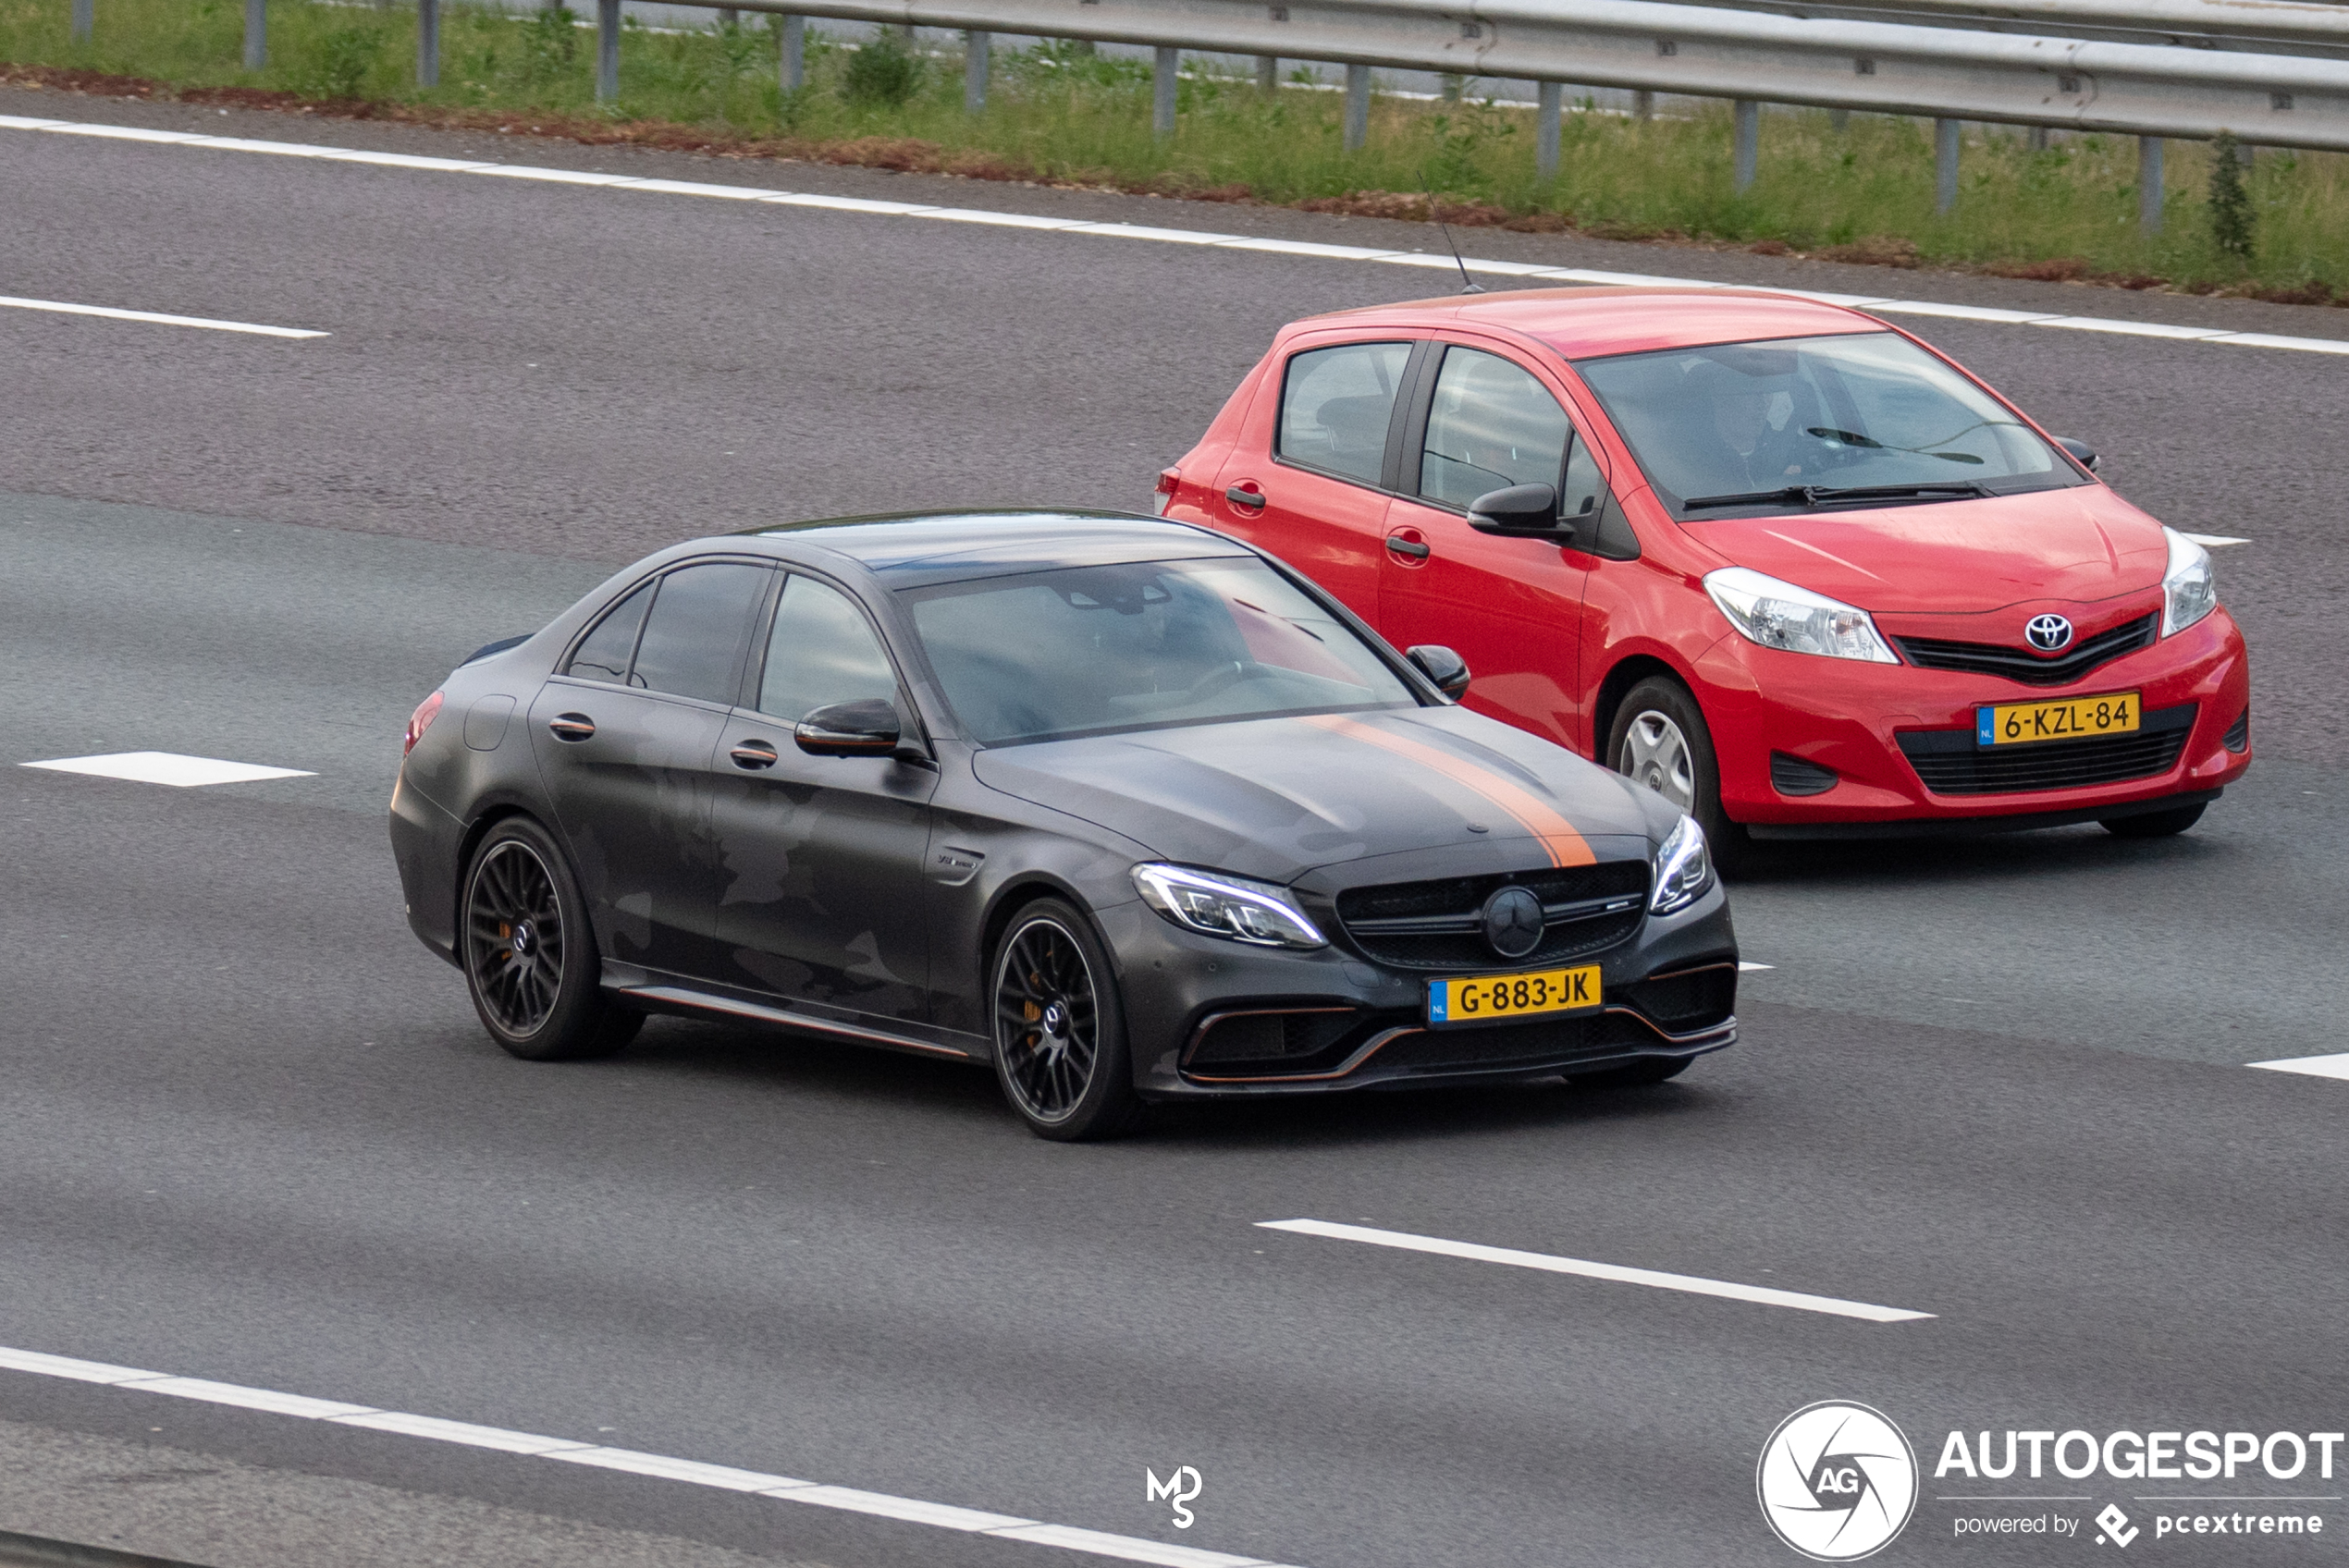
[(1245, 495), (753, 754), (571, 727), (1412, 548)]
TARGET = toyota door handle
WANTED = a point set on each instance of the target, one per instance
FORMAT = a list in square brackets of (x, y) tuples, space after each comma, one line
[(1402, 547), (1244, 495), (571, 727), (753, 754)]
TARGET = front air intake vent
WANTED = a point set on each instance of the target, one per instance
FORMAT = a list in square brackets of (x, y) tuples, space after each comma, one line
[(1951, 762)]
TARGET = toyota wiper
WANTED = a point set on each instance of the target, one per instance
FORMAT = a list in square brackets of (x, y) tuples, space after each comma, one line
[(1830, 495)]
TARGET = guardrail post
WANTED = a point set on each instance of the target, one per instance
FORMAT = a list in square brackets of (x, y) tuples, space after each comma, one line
[(1451, 85), (427, 43), (2039, 139), (2150, 190), (1357, 107), (1644, 105), (1268, 75), (730, 16), (1548, 96), (607, 50), (1749, 148), (1945, 164), (257, 34), (1165, 64), (1839, 121), (978, 49), (85, 21), (790, 72)]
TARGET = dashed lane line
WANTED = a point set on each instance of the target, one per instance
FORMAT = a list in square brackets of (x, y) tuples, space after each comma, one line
[(65, 308), (2314, 1066), (168, 768), (1165, 236), (722, 1478), (1691, 1283)]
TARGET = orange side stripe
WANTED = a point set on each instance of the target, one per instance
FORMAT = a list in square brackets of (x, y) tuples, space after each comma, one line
[(1557, 835)]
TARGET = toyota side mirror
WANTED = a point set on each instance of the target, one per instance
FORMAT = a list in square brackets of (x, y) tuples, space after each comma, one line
[(867, 728), (1520, 508), (1440, 664), (2080, 450)]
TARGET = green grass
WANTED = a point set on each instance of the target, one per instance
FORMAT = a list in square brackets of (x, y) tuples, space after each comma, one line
[(1056, 115)]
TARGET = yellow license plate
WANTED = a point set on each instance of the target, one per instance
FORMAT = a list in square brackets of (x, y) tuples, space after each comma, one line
[(2074, 718), (1492, 997)]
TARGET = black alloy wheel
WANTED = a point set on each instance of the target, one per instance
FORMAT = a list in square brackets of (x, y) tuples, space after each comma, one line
[(529, 955), (1659, 739), (1059, 1034)]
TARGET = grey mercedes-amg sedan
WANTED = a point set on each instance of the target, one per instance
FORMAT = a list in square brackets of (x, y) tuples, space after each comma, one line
[(1123, 807)]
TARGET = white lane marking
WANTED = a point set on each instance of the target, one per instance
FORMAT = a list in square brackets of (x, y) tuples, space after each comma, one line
[(2215, 541), (1549, 1263), (2314, 1066), (1168, 236), (722, 1478), (1747, 966), (64, 308), (168, 768)]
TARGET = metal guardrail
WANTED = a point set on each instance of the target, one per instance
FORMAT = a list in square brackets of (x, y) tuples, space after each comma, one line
[(2293, 96)]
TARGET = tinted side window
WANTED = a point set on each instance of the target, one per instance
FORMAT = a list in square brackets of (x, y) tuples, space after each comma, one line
[(1334, 407), (693, 641), (1491, 425), (605, 654), (822, 650)]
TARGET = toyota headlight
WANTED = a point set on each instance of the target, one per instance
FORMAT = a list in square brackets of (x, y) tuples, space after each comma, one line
[(1683, 871), (2188, 589), (1779, 615), (1232, 907)]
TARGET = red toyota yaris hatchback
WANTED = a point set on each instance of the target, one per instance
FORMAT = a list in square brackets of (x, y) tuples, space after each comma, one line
[(1773, 557)]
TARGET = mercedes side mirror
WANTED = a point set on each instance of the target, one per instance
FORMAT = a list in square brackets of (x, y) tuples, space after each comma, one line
[(1440, 664), (1520, 508), (2080, 449), (867, 728)]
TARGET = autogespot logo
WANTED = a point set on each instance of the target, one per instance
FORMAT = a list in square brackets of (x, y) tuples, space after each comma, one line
[(1838, 1481)]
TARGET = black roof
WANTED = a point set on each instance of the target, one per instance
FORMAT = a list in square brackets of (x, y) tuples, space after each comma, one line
[(910, 548)]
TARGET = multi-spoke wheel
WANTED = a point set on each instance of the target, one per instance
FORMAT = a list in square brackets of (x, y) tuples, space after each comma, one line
[(1659, 739), (529, 955), (1060, 1037)]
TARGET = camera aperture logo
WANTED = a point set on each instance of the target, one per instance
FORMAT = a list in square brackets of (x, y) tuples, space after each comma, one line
[(1838, 1481)]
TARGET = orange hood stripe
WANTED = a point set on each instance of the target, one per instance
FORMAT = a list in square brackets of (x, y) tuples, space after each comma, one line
[(1557, 835)]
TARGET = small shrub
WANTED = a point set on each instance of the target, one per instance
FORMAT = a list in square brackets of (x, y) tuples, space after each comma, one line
[(551, 43), (884, 72), (2231, 217), (345, 56)]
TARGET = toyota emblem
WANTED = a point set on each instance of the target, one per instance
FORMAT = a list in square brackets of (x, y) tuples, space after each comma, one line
[(2048, 633), (1513, 922)]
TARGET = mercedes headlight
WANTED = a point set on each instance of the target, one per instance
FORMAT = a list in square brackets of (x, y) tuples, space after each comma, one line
[(1779, 615), (2188, 589), (1232, 907), (1683, 871)]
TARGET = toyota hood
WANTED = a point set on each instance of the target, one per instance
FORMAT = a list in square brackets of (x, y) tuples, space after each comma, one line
[(2082, 544), (1275, 798)]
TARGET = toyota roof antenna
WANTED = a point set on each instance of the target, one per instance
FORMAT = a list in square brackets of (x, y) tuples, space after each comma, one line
[(1468, 283)]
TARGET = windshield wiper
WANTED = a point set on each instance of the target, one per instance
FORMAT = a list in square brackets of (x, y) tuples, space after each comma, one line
[(1827, 495)]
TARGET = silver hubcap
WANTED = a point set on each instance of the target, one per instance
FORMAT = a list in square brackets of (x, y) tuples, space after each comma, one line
[(1657, 755)]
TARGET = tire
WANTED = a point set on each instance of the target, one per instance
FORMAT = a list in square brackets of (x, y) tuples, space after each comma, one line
[(2154, 824), (1060, 1028), (528, 951), (1633, 1075), (1659, 739)]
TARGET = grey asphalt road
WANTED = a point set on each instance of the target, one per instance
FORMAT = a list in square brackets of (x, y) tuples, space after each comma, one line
[(252, 1133)]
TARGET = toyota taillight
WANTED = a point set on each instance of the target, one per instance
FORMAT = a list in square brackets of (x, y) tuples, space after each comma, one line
[(1168, 478), (421, 720)]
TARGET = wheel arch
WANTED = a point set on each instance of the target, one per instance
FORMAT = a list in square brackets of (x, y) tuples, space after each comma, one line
[(1628, 672)]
